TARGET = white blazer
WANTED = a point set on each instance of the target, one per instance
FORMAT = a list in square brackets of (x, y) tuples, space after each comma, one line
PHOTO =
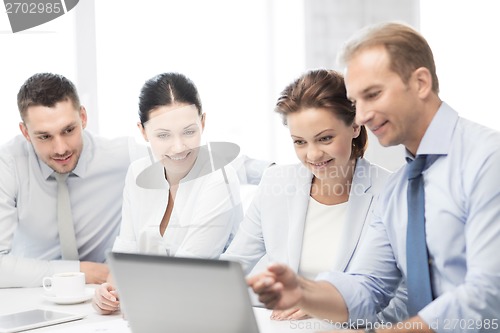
[(273, 226), (274, 222)]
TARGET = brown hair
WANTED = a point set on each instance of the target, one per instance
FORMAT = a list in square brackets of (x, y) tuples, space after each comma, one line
[(407, 49), (46, 89), (322, 89)]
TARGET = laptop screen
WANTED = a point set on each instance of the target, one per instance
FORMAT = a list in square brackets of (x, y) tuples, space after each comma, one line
[(170, 294)]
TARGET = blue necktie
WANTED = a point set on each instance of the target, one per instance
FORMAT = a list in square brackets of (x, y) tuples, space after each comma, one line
[(417, 260)]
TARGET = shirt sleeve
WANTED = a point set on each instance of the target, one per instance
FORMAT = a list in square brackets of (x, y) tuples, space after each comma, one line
[(250, 170), (17, 271), (474, 305), (8, 202), (373, 277), (126, 240), (27, 272), (248, 245)]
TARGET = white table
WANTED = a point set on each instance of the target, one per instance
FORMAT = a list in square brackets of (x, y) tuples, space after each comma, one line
[(20, 299)]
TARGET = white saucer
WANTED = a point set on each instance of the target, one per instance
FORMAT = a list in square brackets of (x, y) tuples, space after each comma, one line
[(89, 293)]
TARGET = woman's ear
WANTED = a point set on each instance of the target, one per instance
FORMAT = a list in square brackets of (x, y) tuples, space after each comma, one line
[(203, 116), (143, 131)]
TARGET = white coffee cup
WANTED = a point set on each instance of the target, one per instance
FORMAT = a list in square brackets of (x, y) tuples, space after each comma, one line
[(65, 285)]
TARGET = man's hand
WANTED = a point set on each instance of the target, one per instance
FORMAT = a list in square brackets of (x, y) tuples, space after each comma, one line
[(278, 287), (95, 273)]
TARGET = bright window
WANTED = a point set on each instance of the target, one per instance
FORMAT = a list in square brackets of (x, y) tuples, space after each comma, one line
[(46, 48), (464, 38)]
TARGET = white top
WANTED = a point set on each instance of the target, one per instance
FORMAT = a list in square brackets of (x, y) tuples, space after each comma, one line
[(323, 227), (29, 239), (273, 228), (206, 213)]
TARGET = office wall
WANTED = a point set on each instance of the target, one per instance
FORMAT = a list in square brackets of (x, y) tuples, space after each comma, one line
[(47, 48), (329, 23), (463, 35), (241, 54), (238, 53)]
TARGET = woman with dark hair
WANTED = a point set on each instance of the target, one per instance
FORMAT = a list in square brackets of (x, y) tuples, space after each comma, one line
[(174, 203), (312, 216)]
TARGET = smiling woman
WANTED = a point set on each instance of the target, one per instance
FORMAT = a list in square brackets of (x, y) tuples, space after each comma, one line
[(172, 121), (312, 215), (173, 204)]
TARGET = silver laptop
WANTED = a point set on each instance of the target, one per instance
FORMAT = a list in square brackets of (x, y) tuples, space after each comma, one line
[(168, 294)]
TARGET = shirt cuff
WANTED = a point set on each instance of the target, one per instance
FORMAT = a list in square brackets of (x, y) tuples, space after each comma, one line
[(358, 300)]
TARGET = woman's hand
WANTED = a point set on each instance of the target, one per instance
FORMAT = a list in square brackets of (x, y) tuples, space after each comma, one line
[(105, 299), (289, 314)]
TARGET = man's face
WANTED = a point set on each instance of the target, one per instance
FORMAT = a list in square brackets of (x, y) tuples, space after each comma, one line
[(56, 134), (389, 107)]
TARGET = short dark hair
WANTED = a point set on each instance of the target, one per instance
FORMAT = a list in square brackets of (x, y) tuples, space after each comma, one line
[(323, 89), (46, 89), (167, 89)]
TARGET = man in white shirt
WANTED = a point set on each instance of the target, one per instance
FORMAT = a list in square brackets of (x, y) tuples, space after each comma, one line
[(53, 141)]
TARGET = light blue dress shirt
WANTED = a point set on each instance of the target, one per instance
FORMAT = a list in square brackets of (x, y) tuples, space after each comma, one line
[(29, 240), (462, 212)]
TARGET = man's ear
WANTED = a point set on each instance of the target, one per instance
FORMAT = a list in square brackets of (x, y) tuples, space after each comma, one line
[(24, 130), (83, 116), (423, 80), (143, 131)]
